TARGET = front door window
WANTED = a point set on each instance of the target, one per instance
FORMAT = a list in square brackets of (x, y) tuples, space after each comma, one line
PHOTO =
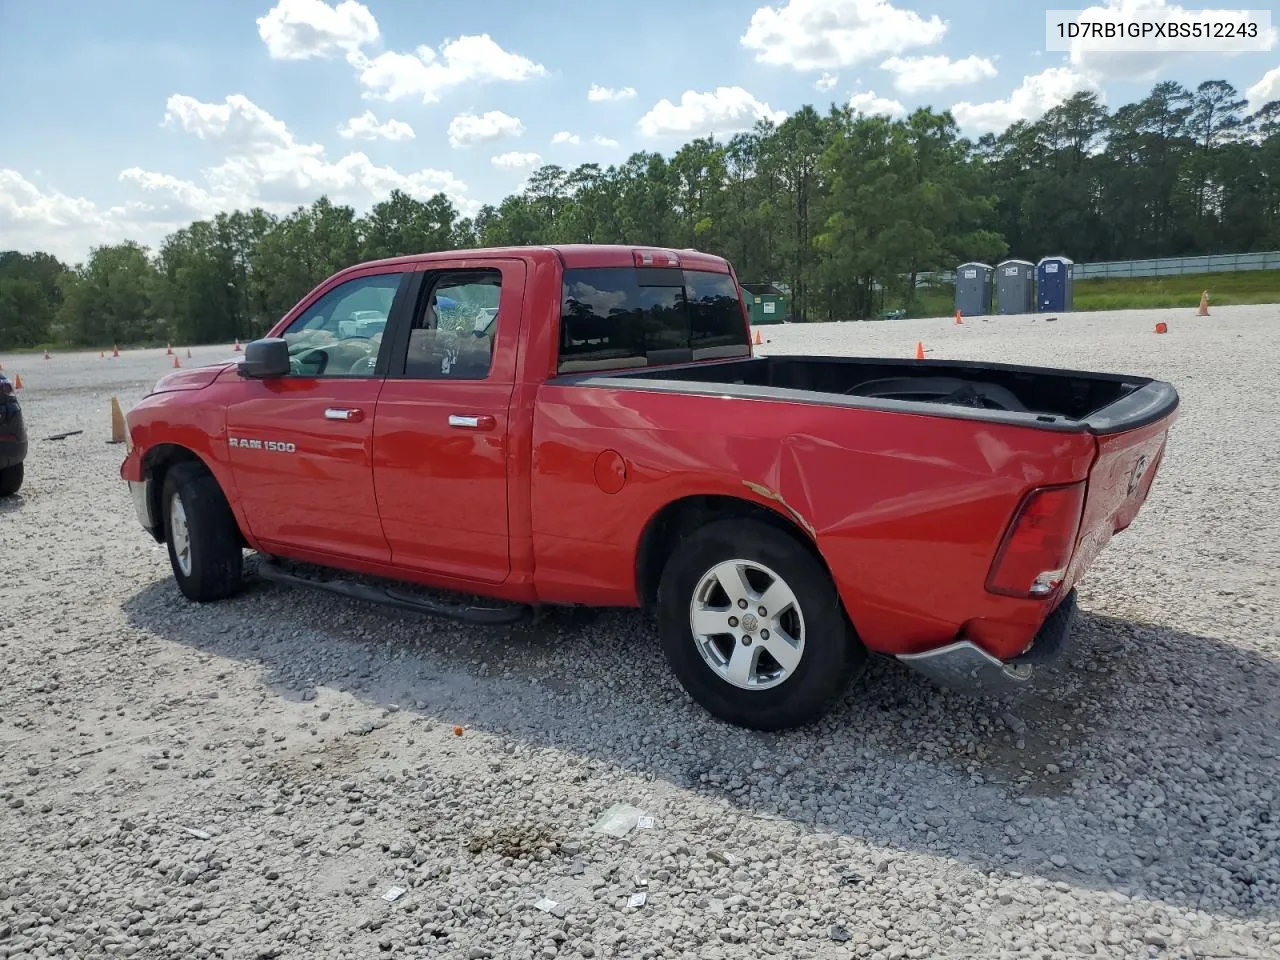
[(340, 334)]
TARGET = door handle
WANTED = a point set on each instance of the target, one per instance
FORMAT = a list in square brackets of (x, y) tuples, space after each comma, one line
[(461, 421), (349, 414)]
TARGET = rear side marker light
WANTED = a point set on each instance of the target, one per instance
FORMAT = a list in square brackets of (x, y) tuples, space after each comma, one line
[(1036, 551)]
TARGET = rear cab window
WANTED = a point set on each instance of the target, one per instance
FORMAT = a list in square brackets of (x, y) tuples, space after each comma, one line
[(623, 317)]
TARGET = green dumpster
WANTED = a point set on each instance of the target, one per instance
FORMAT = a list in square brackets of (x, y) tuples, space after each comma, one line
[(765, 303)]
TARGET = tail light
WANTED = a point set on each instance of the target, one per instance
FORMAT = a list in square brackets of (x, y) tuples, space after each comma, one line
[(1033, 558)]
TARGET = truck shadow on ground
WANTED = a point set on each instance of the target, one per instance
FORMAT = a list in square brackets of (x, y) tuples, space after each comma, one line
[(1147, 763)]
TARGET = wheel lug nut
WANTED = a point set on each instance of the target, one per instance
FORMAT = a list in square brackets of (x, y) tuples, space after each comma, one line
[(742, 604), (746, 641), (733, 621), (764, 634), (763, 612)]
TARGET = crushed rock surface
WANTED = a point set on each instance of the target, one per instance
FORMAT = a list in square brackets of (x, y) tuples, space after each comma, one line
[(248, 779)]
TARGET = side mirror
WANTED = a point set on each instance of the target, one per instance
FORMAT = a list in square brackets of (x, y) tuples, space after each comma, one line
[(268, 357)]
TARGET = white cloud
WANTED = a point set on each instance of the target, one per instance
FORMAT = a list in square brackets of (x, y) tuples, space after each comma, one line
[(599, 94), (34, 218), (467, 129), (825, 34), (367, 127), (1091, 56), (237, 120), (601, 141), (564, 136), (516, 161), (826, 82), (1036, 95), (867, 102), (926, 74), (424, 73), (1265, 90), (183, 199), (266, 165), (300, 29), (725, 110)]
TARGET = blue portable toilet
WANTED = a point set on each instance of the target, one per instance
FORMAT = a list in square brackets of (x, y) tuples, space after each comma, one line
[(1054, 285)]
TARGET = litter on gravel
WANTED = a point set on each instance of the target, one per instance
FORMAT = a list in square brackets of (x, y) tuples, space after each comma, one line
[(619, 820)]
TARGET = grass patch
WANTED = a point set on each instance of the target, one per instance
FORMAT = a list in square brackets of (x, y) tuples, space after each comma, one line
[(1135, 293), (934, 301), (1150, 293)]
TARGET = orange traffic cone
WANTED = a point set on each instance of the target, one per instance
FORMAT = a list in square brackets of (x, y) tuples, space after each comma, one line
[(115, 350), (17, 381), (1204, 304), (919, 349), (758, 340), (102, 355), (1162, 327), (958, 320), (168, 349), (176, 362), (237, 344), (117, 422), (188, 353), (46, 355)]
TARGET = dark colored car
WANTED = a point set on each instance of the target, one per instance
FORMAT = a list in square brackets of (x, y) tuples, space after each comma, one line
[(13, 439)]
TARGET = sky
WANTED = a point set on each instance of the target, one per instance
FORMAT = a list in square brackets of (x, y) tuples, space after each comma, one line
[(130, 118)]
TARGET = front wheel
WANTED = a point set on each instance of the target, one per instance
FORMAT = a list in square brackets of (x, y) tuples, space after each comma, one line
[(10, 480), (753, 628), (200, 529)]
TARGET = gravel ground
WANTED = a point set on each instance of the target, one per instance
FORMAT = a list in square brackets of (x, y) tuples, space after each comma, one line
[(248, 779)]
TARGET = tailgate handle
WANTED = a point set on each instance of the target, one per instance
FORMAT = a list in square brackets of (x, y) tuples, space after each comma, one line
[(348, 414), (460, 421)]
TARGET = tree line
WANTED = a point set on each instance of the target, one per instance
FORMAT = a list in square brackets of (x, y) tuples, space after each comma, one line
[(846, 210)]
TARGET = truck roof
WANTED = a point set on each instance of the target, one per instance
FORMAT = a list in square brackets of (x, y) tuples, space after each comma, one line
[(572, 255)]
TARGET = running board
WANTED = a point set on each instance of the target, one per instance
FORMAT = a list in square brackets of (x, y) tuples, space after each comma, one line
[(390, 597)]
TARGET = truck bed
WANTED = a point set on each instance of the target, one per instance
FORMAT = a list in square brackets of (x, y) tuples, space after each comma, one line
[(1040, 397)]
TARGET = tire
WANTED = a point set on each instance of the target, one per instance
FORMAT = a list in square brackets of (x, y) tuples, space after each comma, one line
[(777, 694), (10, 480), (208, 563)]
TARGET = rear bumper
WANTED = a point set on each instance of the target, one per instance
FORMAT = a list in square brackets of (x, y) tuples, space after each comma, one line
[(11, 451), (964, 665)]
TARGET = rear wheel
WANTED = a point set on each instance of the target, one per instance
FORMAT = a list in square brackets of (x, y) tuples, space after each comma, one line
[(10, 480), (200, 530), (753, 628)]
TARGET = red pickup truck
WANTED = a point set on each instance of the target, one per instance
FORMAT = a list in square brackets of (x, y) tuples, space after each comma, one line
[(588, 425)]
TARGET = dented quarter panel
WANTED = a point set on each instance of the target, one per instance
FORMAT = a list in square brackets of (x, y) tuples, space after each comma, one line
[(907, 510)]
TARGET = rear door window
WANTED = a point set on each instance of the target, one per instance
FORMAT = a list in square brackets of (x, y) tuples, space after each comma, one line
[(620, 317), (452, 337)]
